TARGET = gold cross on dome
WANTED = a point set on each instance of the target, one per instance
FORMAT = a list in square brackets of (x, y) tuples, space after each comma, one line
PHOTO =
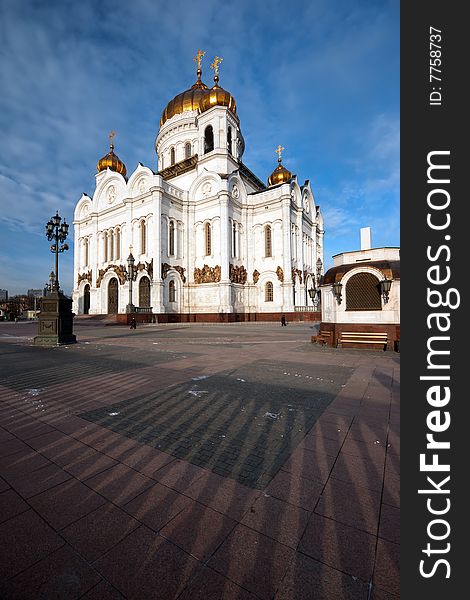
[(216, 63), (278, 151), (198, 57), (112, 135)]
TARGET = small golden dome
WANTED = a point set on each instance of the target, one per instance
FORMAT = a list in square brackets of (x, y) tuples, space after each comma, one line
[(111, 161), (217, 96), (280, 173)]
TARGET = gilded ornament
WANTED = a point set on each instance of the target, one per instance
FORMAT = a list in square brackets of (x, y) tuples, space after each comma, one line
[(280, 274)]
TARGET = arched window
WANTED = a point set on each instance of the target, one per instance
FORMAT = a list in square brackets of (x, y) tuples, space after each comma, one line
[(86, 300), (362, 292), (208, 139), (268, 242), (118, 244), (171, 239), (187, 150), (143, 237), (208, 239), (105, 246), (229, 140), (111, 245), (268, 292), (144, 292), (172, 291), (172, 156), (87, 253), (234, 240)]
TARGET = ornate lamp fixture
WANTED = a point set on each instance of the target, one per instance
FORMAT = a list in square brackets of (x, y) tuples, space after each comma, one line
[(337, 287), (131, 275), (385, 286), (57, 233), (311, 293)]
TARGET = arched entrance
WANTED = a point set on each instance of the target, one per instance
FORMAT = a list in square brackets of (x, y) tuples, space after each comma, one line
[(113, 296), (86, 300), (144, 292)]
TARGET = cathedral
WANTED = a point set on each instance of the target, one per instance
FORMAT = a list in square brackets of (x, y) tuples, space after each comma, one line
[(202, 238)]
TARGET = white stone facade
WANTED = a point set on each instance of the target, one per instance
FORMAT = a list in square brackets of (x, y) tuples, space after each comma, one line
[(211, 239)]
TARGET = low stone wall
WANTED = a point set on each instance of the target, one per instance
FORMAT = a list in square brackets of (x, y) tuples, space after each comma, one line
[(291, 317)]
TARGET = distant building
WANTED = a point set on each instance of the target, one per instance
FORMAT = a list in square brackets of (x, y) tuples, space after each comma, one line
[(35, 293), (361, 293), (3, 295)]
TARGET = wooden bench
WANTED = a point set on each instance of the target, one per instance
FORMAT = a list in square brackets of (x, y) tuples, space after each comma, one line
[(362, 337), (322, 338)]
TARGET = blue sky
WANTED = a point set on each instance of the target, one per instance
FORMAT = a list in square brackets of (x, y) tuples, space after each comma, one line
[(319, 77)]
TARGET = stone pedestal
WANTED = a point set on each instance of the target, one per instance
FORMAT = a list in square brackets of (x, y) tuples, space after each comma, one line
[(55, 321)]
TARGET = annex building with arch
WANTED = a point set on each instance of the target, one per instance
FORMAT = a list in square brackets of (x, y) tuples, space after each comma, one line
[(210, 240)]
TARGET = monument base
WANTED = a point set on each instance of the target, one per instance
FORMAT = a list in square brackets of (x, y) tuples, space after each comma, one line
[(55, 321)]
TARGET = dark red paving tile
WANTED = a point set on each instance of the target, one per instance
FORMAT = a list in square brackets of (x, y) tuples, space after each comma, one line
[(9, 447), (145, 562), (92, 463), (380, 594), (342, 547), (387, 567), (308, 464), (198, 530), (145, 459), (308, 579), (28, 539), (62, 574), (370, 432), (22, 462), (222, 494), (179, 475), (11, 505), (3, 485), (350, 504), (358, 470), (49, 440), (38, 481), (103, 591), (5, 435), (319, 443), (370, 450), (66, 503), (120, 484), (277, 519), (32, 429), (209, 585), (295, 490), (100, 530), (253, 561), (329, 430), (157, 505), (389, 527)]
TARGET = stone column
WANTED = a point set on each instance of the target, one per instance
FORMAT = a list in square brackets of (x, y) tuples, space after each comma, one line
[(224, 297), (288, 305), (157, 283)]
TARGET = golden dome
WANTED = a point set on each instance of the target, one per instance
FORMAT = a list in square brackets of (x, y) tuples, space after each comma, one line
[(280, 173), (217, 96), (111, 161), (186, 101)]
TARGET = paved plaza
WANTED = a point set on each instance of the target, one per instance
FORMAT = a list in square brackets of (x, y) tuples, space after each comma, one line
[(197, 462)]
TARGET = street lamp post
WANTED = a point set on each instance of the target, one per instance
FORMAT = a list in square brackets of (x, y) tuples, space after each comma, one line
[(131, 275), (57, 233), (56, 316)]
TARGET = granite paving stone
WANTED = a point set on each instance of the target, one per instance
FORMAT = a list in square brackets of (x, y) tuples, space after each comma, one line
[(253, 561), (11, 504), (40, 480), (62, 575), (66, 503), (98, 531), (387, 566), (389, 528), (157, 505), (28, 539), (308, 579), (295, 489), (103, 591), (145, 562), (210, 585), (344, 548), (119, 484), (276, 519), (198, 530)]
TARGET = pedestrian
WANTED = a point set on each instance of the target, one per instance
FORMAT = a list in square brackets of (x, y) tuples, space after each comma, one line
[(133, 323), (283, 321)]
